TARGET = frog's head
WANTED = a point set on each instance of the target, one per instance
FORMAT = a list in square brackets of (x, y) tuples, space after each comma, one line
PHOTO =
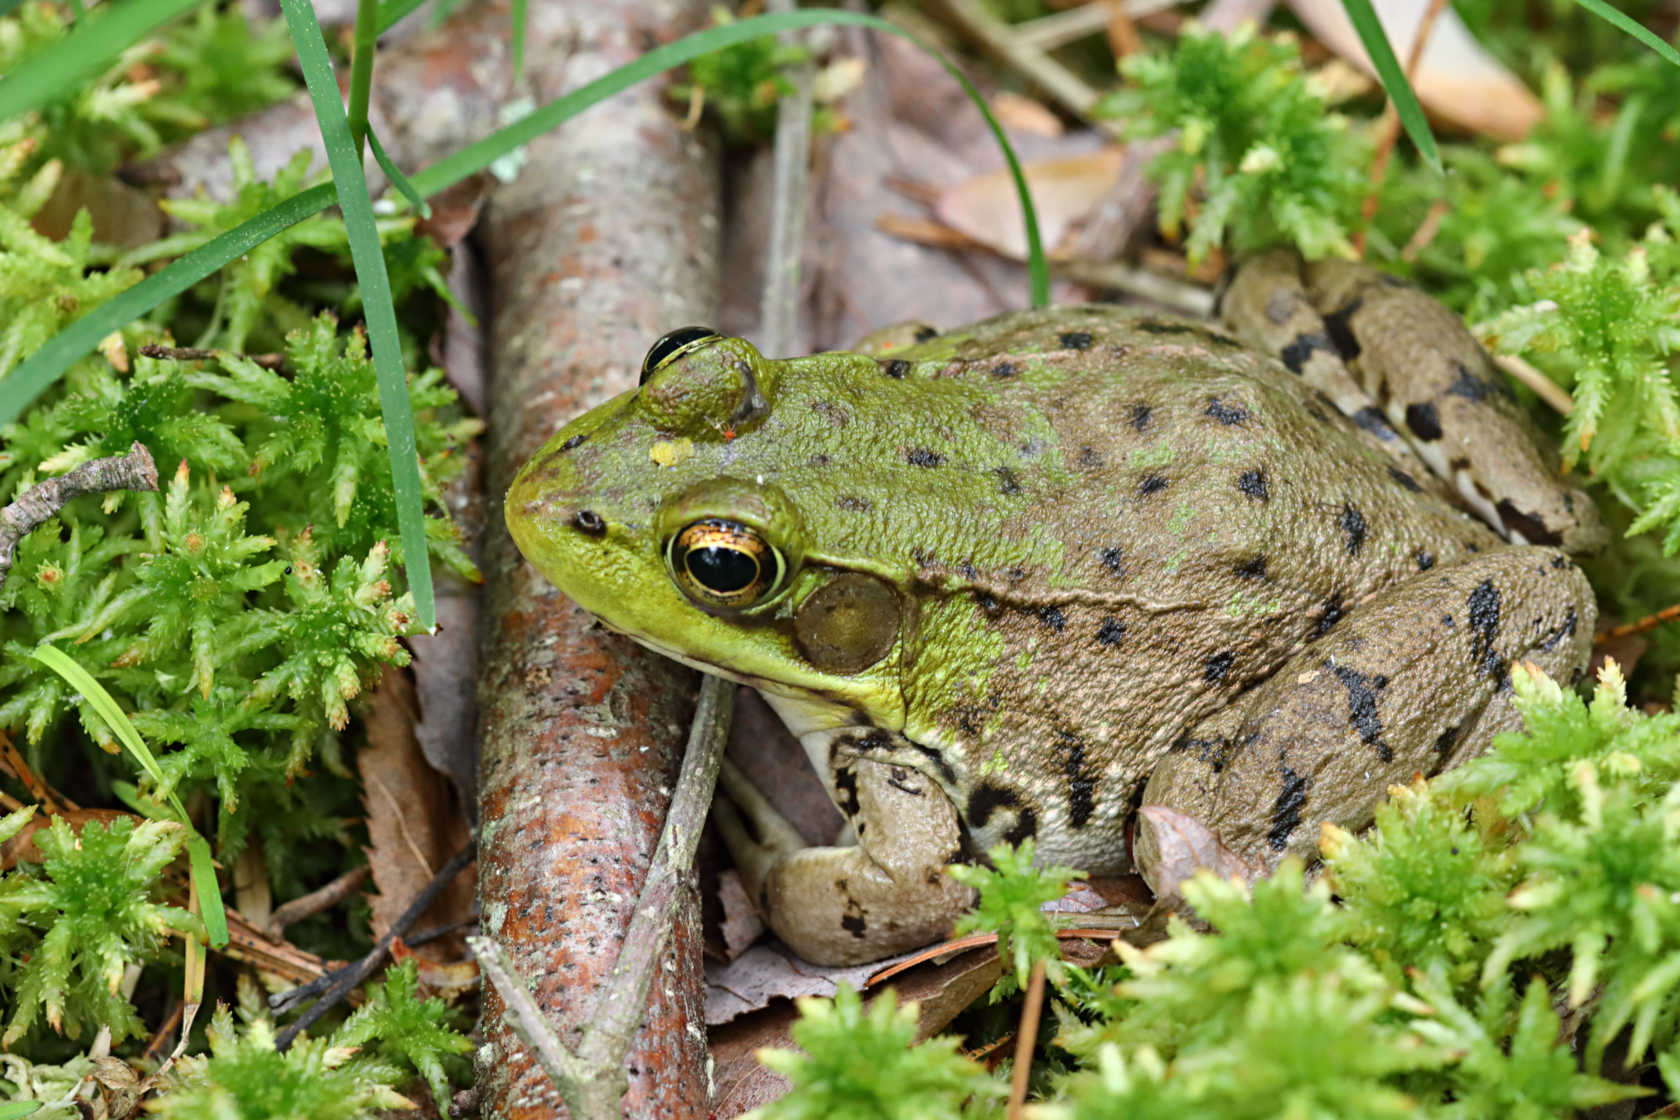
[(670, 513)]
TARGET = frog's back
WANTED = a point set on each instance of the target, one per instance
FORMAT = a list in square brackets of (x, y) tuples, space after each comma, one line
[(1168, 517)]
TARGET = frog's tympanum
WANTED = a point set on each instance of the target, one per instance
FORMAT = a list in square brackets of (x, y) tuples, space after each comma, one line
[(1019, 579)]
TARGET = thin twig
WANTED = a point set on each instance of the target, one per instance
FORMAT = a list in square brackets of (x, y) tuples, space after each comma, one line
[(134, 471), (199, 354), (314, 902), (1544, 387), (593, 1081), (1025, 1039), (376, 956), (779, 301)]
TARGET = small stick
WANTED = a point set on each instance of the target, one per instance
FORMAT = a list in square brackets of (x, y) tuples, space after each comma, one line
[(528, 1021), (1544, 387), (1649, 622), (314, 902), (1026, 1039), (134, 471), (376, 956), (199, 354)]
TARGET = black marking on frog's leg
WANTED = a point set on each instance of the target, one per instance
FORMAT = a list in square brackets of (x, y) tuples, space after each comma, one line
[(1533, 530), (946, 774), (1352, 524), (1081, 783), (1151, 484), (1483, 604), (1114, 560), (1298, 353), (899, 778), (845, 791), (923, 333), (1227, 414), (1447, 621), (1075, 340), (968, 571), (589, 523), (1445, 741), (1111, 632), (1140, 417), (874, 740), (988, 798), (818, 460), (1253, 483), (1371, 419), (1286, 810), (895, 368), (853, 920), (1155, 326), (1559, 562), (922, 457), (1404, 479), (1565, 629), (1336, 326), (850, 503), (574, 442), (1424, 421), (1424, 558), (1008, 481), (1473, 388), (1362, 706), (1090, 459), (1252, 568), (1005, 369), (1053, 617), (1213, 753), (1329, 615), (1217, 666)]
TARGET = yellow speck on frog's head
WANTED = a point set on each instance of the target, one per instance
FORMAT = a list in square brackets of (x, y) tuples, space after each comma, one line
[(670, 452)]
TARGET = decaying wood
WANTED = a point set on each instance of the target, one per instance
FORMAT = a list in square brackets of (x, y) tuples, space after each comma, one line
[(606, 239)]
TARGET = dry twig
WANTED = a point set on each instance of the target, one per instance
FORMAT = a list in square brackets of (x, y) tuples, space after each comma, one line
[(134, 471)]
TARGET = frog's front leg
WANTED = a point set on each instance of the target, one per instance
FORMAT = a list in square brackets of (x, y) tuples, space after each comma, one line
[(853, 904), (1414, 679)]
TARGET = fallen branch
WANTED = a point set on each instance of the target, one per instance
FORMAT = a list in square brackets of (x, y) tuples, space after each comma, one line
[(134, 471)]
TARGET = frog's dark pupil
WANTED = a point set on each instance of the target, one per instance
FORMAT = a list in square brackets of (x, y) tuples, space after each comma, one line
[(668, 345), (723, 570)]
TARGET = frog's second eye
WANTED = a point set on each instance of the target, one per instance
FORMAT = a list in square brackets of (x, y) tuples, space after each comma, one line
[(724, 564), (672, 346)]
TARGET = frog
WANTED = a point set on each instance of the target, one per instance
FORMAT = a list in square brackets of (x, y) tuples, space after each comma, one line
[(1024, 579)]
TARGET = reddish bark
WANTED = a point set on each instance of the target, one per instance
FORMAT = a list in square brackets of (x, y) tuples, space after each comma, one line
[(606, 239)]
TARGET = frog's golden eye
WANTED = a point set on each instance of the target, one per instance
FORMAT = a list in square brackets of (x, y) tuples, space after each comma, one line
[(723, 564), (672, 346)]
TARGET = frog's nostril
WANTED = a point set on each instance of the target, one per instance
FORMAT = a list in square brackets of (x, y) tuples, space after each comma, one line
[(590, 522)]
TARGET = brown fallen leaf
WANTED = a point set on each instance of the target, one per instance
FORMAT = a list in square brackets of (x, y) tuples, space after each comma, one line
[(1064, 191), (414, 820), (1180, 845), (1455, 80)]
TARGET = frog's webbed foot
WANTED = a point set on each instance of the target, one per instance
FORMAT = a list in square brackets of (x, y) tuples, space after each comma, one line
[(1414, 680), (849, 905)]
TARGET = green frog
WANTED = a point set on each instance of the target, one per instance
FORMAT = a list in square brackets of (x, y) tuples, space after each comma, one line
[(1016, 580)]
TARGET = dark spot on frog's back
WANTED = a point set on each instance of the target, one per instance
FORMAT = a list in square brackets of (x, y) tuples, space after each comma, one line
[(895, 368), (1005, 369), (1423, 420), (1089, 459), (1152, 484), (851, 504), (1424, 558), (1336, 325), (1113, 560), (1053, 618), (1253, 483), (988, 798), (1075, 340), (1081, 784), (574, 442), (1252, 568), (1286, 809), (1225, 412), (1140, 417), (1352, 523), (1218, 666), (922, 457), (1363, 716), (1112, 632), (1483, 604), (924, 333), (1298, 353), (1329, 615), (1008, 482)]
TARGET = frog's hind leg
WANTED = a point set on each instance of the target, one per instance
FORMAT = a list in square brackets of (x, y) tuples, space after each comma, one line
[(835, 905), (1412, 680)]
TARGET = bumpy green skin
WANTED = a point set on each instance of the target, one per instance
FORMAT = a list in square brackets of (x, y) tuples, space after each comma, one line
[(1123, 546)]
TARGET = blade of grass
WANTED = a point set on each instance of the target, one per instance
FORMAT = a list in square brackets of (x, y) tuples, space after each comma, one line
[(360, 227), (361, 70), (84, 52), (198, 851), (1626, 23), (398, 179), (517, 17), (1393, 79), (16, 1110), (48, 364), (390, 11)]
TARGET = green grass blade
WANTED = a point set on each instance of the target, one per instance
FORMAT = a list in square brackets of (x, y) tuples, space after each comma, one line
[(1621, 20), (390, 11), (47, 365), (369, 259), (517, 17), (102, 702), (15, 1110), (475, 157), (398, 179), (1393, 79), (85, 51)]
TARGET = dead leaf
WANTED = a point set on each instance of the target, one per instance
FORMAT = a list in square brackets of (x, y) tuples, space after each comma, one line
[(1172, 846), (1022, 114), (414, 821), (1064, 191), (122, 215), (1455, 79), (768, 972), (741, 925)]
